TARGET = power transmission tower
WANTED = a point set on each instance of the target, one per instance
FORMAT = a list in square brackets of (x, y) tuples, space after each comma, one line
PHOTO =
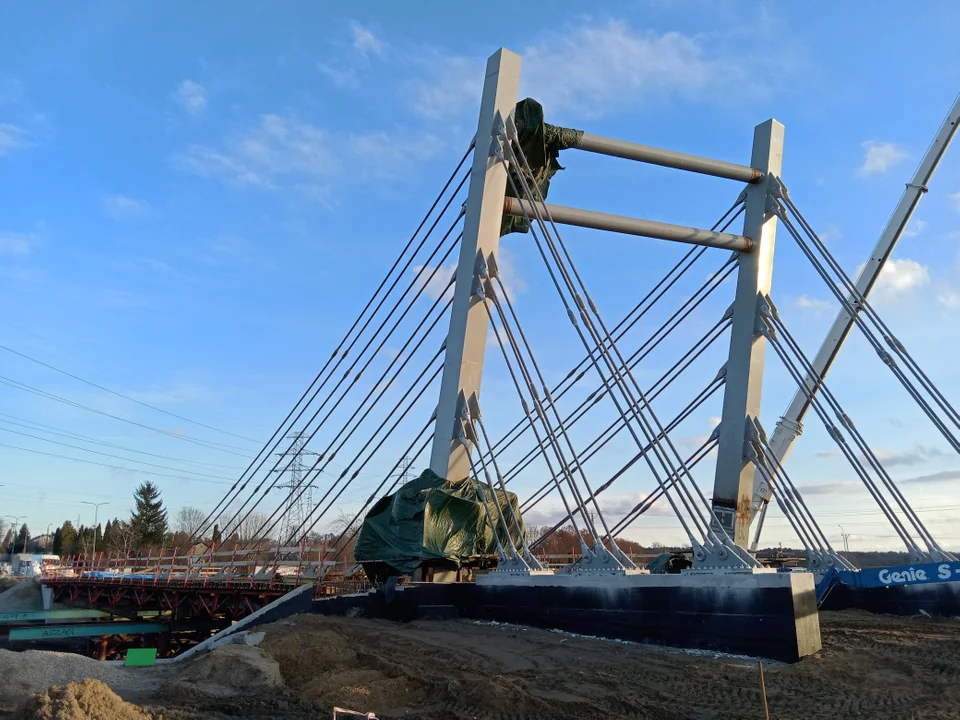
[(405, 473), (299, 505)]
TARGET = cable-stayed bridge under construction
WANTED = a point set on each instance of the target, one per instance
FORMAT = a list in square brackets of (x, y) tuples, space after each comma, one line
[(404, 383)]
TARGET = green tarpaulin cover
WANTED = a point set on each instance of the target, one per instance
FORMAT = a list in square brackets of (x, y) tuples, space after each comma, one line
[(431, 518), (541, 144)]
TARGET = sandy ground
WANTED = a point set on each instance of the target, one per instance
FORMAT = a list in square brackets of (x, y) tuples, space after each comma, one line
[(870, 667)]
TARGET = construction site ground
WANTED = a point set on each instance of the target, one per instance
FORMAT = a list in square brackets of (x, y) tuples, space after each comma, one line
[(870, 667)]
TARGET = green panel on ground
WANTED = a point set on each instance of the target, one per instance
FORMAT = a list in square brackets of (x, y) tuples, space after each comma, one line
[(93, 629), (141, 657)]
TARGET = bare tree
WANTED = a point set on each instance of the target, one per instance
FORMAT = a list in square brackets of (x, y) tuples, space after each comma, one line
[(248, 528), (189, 520), (121, 537)]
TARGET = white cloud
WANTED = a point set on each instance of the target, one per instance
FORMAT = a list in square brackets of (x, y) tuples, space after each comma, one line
[(815, 304), (830, 234), (510, 275), (914, 228), (955, 198), (879, 157), (364, 41), (898, 280), (16, 243), (283, 151), (341, 76), (592, 68), (191, 96), (437, 285), (948, 298), (123, 207), (454, 83), (891, 458), (12, 138)]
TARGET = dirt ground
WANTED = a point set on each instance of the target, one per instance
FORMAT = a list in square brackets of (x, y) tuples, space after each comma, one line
[(871, 666)]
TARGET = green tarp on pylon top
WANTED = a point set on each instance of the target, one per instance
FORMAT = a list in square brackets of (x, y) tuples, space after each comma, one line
[(431, 518)]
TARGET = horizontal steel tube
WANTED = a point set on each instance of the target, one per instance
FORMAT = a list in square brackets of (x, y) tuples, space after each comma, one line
[(668, 158), (630, 226)]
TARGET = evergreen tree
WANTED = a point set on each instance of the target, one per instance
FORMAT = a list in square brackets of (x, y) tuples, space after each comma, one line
[(149, 519), (217, 539), (8, 541), (23, 538), (68, 538), (107, 535), (57, 542)]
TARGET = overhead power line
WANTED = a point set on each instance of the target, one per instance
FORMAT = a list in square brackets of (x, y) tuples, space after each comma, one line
[(118, 457), (51, 396), (114, 467), (125, 397), (50, 429)]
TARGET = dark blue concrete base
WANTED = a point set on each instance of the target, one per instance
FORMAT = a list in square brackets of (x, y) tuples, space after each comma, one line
[(777, 623), (938, 600)]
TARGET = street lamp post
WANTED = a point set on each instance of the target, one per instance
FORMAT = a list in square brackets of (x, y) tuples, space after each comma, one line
[(96, 513)]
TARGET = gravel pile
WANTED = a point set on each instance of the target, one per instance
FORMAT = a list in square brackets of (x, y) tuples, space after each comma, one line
[(24, 595), (31, 671)]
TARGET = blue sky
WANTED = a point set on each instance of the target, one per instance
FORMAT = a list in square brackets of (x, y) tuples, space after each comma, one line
[(196, 202)]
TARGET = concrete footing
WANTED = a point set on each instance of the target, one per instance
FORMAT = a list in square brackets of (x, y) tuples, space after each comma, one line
[(764, 613)]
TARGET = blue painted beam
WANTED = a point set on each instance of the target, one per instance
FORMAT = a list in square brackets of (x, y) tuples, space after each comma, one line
[(55, 632)]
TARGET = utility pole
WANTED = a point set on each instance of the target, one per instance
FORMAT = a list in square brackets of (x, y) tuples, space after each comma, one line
[(299, 504), (16, 523), (96, 514), (846, 539)]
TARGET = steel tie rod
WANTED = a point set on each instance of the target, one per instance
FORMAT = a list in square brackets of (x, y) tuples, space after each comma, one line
[(630, 226)]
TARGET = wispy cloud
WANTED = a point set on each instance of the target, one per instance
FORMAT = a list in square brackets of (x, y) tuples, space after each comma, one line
[(346, 71), (955, 199), (918, 455), (286, 152), (123, 299), (16, 243), (124, 207), (191, 96), (879, 157), (915, 228), (12, 138), (437, 285), (594, 68), (815, 305), (944, 476), (948, 298), (365, 42)]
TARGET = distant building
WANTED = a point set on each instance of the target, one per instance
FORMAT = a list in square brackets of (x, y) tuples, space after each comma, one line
[(44, 542)]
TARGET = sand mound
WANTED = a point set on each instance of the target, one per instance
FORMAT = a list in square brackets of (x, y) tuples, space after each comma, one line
[(87, 700), (24, 595), (31, 671), (228, 670)]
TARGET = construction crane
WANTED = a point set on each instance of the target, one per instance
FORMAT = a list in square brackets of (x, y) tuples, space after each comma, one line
[(790, 426)]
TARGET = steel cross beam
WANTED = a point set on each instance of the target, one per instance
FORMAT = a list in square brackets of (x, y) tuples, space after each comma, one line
[(467, 337), (733, 483)]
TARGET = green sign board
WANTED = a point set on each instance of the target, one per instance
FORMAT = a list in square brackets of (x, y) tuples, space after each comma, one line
[(141, 657)]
